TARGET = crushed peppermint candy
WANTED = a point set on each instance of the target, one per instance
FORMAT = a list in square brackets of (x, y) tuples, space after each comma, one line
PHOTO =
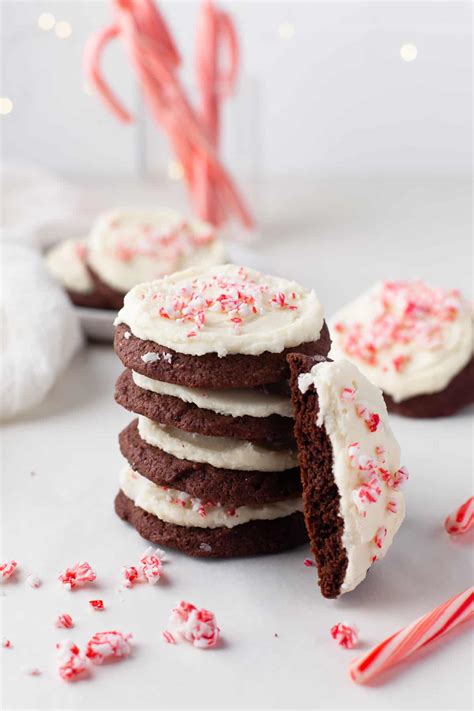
[(7, 569), (371, 419), (348, 394), (130, 576), (168, 637), (157, 241), (78, 575), (380, 536), (308, 562), (367, 494), (237, 297), (197, 626), (127, 335), (72, 665), (108, 646), (345, 635), (149, 569), (392, 506), (151, 565), (6, 644), (97, 604), (64, 621), (396, 480), (407, 312), (33, 580), (380, 453)]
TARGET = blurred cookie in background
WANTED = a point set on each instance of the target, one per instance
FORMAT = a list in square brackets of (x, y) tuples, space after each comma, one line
[(128, 246), (413, 341)]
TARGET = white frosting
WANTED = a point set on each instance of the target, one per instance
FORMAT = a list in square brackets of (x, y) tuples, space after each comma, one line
[(224, 309), (66, 262), (177, 507), (422, 337), (130, 246), (351, 466), (221, 452), (236, 402)]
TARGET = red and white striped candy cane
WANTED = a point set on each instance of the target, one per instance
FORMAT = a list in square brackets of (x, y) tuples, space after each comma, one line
[(462, 519), (426, 629)]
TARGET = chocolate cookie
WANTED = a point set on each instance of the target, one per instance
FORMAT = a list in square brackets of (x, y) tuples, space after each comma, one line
[(229, 487), (210, 371), (458, 394), (88, 300), (112, 298), (275, 430), (320, 494), (253, 538)]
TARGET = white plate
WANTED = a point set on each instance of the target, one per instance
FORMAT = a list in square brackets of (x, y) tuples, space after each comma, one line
[(97, 324)]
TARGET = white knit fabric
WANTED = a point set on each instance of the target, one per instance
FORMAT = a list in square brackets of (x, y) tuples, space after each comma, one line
[(39, 330)]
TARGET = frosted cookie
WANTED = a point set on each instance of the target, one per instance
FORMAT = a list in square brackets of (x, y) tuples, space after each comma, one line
[(350, 468), (218, 327), (256, 537), (414, 342), (204, 413), (130, 246), (66, 262), (232, 487), (212, 466), (175, 497)]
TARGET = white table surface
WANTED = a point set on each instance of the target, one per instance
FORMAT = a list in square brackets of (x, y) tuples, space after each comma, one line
[(60, 466)]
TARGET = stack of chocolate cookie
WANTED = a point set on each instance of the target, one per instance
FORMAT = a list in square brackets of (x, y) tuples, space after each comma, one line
[(212, 467)]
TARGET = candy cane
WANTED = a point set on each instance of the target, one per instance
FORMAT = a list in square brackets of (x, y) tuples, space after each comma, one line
[(420, 633), (462, 519), (215, 29), (155, 60)]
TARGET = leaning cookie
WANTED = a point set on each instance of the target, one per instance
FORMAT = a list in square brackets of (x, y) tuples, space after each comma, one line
[(414, 342), (350, 468)]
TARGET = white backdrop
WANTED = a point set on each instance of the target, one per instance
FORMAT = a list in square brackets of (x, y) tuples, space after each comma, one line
[(335, 98)]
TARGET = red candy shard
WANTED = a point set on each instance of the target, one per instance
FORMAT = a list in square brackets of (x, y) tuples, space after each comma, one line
[(130, 576), (308, 562), (72, 665), (380, 536), (108, 646), (64, 621), (78, 575), (396, 480), (168, 637), (6, 644), (97, 604), (151, 565), (345, 635), (197, 626), (7, 569)]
